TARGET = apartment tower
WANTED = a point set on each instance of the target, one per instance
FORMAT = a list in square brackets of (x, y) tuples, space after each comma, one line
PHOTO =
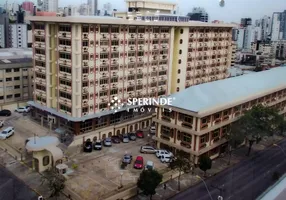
[(81, 64)]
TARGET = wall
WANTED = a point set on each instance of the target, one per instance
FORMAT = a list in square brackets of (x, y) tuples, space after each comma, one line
[(40, 155), (2, 36)]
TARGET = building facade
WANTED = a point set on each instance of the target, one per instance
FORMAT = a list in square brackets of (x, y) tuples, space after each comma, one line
[(18, 36), (16, 75), (200, 126), (2, 36), (28, 6), (50, 5), (97, 59), (278, 29), (198, 14)]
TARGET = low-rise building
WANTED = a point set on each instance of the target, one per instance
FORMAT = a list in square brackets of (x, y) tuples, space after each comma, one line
[(201, 115), (16, 74)]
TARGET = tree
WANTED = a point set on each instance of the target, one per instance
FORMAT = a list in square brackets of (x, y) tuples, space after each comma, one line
[(257, 122), (55, 181), (234, 140), (148, 181), (205, 163), (182, 163)]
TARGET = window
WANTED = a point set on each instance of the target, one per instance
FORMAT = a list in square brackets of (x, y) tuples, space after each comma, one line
[(104, 29), (16, 78), (180, 51), (16, 86), (178, 80), (181, 41), (186, 137), (65, 108), (8, 70), (65, 28), (8, 79), (1, 97), (204, 139), (103, 81), (65, 69), (17, 95), (9, 96), (181, 31), (65, 55), (178, 89), (179, 71), (26, 77), (179, 61), (65, 42), (16, 69), (46, 160), (102, 105), (84, 43), (65, 82), (166, 131), (65, 95)]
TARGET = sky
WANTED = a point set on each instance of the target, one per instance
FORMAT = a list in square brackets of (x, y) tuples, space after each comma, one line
[(233, 11)]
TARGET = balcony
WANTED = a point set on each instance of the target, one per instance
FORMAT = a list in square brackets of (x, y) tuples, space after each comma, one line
[(84, 90), (65, 88), (84, 76), (65, 75), (39, 45), (165, 137), (104, 36), (39, 32), (40, 69), (131, 48), (165, 35), (64, 61), (64, 34), (40, 57), (64, 48), (65, 101), (186, 144)]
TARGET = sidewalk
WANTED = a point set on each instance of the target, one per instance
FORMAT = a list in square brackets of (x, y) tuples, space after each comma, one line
[(218, 165)]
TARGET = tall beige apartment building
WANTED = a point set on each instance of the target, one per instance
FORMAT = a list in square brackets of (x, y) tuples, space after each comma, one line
[(82, 63)]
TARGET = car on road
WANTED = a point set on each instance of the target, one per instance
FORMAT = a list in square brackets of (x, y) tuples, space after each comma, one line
[(23, 109), (8, 132), (87, 147), (107, 142), (97, 145), (162, 152), (1, 123), (166, 158), (127, 158), (5, 113), (148, 149), (140, 134), (132, 136), (149, 165), (152, 130), (125, 138), (139, 162), (115, 139)]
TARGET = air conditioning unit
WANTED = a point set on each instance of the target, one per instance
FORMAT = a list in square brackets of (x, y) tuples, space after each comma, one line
[(85, 49), (103, 35), (85, 113), (104, 49), (85, 35), (64, 34)]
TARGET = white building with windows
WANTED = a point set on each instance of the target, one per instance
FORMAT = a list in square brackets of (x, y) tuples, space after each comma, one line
[(276, 33), (18, 37)]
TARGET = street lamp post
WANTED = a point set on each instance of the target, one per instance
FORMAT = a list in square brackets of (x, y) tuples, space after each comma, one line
[(121, 174), (205, 186)]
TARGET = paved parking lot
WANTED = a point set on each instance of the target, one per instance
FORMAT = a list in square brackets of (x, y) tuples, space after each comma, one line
[(99, 173), (24, 128)]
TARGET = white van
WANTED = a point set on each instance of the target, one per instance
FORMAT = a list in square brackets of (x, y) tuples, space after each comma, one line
[(152, 130), (166, 158), (6, 133)]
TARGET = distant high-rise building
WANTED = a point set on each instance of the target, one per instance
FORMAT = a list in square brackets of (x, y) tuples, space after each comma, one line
[(92, 7), (18, 37), (246, 22), (278, 29), (4, 26), (199, 14), (50, 5), (28, 6)]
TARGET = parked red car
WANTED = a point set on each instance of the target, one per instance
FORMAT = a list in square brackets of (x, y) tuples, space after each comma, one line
[(139, 163), (140, 134)]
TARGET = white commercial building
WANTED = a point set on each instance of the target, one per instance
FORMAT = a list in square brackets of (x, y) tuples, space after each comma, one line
[(50, 5), (18, 36), (240, 38), (2, 36)]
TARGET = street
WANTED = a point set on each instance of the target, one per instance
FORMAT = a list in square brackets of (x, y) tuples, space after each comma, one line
[(246, 180)]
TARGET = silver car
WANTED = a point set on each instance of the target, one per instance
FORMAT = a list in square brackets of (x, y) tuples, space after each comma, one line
[(127, 158), (125, 138), (107, 142)]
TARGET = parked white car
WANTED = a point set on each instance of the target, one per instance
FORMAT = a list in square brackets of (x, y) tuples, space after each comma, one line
[(166, 158), (1, 123), (163, 152), (149, 165), (23, 109), (8, 132), (152, 130)]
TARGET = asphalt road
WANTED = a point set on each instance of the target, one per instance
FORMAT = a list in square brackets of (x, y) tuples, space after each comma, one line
[(246, 180)]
